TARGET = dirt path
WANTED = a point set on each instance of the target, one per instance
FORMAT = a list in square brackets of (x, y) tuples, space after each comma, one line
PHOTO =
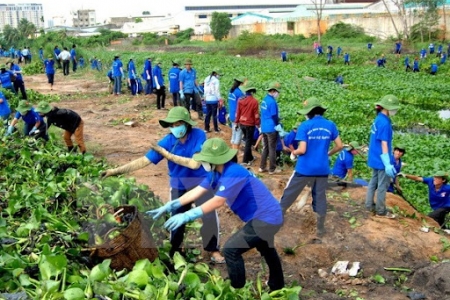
[(352, 236)]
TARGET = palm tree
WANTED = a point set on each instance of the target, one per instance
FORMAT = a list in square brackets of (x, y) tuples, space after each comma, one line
[(11, 35), (26, 28)]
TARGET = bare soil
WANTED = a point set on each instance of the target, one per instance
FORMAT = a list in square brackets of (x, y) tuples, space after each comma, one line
[(351, 234)]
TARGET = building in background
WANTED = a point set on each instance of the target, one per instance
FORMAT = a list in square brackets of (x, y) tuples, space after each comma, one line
[(84, 18), (11, 14)]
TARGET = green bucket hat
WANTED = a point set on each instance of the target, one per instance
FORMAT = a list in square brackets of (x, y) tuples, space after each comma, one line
[(248, 86), (50, 56), (215, 151), (23, 107), (352, 145), (178, 113), (2, 66), (441, 174), (188, 61), (240, 79), (389, 102), (274, 86), (43, 107), (400, 147), (176, 62), (309, 105), (218, 71)]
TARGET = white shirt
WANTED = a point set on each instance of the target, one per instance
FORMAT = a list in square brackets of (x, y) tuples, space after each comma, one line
[(212, 89), (64, 55)]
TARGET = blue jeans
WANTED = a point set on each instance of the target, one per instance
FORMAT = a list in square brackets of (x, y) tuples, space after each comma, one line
[(257, 234), (117, 84), (211, 112), (380, 183), (148, 87)]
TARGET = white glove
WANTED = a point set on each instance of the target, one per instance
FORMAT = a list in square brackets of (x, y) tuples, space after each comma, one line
[(293, 157)]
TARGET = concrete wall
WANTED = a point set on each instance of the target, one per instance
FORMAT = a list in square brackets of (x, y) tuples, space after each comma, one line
[(379, 25)]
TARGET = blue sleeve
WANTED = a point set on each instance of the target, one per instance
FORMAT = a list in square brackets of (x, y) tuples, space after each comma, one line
[(427, 180), (17, 115), (334, 133), (382, 132), (273, 109), (349, 161), (181, 76), (207, 181), (301, 134), (154, 156)]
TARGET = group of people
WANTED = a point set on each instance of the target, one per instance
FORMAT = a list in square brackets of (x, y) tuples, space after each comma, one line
[(37, 120), (11, 78)]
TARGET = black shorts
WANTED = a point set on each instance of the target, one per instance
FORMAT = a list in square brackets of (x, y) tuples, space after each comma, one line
[(50, 78), (398, 51)]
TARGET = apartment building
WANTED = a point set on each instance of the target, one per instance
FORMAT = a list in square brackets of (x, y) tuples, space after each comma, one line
[(11, 14)]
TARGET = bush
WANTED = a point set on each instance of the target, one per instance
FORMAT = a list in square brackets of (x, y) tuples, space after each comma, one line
[(347, 31), (250, 43)]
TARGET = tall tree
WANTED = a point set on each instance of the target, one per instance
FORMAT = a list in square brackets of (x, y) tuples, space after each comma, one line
[(11, 35), (318, 10), (220, 25), (26, 28)]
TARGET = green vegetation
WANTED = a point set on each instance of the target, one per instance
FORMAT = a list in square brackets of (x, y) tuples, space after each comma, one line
[(220, 25)]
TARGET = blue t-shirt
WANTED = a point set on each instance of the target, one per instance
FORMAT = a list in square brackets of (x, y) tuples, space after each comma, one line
[(157, 72), (188, 80), (346, 57), (49, 66), (434, 68), (269, 114), (398, 46), (318, 133), (131, 70), (439, 198), (233, 99), (31, 117), (174, 80), (290, 140), (147, 67), (116, 65), (4, 106), (5, 78), (57, 51), (73, 54), (343, 163), (245, 194), (339, 51), (17, 68), (381, 130), (181, 178), (416, 65), (407, 61)]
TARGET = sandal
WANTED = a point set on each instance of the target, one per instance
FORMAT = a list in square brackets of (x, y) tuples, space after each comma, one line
[(217, 258)]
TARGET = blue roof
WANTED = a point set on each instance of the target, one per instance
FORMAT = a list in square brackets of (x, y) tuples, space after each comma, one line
[(254, 15)]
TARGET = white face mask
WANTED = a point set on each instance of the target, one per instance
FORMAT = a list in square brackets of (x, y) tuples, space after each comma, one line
[(275, 94), (208, 167), (392, 112)]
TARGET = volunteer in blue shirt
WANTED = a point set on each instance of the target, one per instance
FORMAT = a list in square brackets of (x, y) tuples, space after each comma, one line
[(117, 69), (381, 61), (132, 77), (416, 65), (174, 82), (431, 48), (343, 166), (147, 76), (423, 53), (398, 48), (283, 56), (379, 158), (178, 147), (289, 141), (74, 58), (34, 123), (339, 51), (81, 62), (188, 82), (5, 110), (399, 151), (270, 119), (56, 52), (433, 68), (158, 84), (5, 79), (346, 59), (439, 51), (339, 79), (369, 46), (247, 197), (41, 54), (438, 194), (443, 58), (315, 136), (234, 95), (18, 82), (407, 65), (49, 67)]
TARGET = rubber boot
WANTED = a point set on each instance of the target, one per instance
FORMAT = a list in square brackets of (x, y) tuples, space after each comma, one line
[(321, 225)]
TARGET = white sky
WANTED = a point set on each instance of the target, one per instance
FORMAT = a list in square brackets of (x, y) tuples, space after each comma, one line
[(122, 8)]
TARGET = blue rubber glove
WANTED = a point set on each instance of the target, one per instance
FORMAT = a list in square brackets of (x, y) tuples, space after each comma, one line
[(182, 97), (180, 219), (169, 207), (10, 130), (388, 167), (32, 130)]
